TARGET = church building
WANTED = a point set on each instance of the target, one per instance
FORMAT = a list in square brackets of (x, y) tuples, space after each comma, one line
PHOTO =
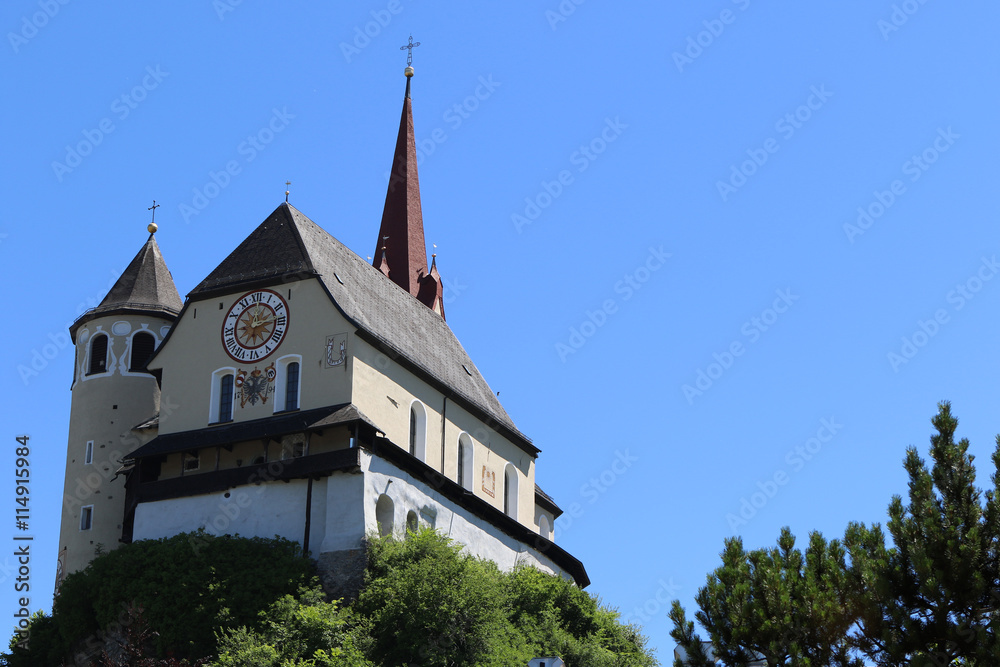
[(297, 391)]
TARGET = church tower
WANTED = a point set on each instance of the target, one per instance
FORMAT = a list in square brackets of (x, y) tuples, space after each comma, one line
[(400, 251), (111, 394)]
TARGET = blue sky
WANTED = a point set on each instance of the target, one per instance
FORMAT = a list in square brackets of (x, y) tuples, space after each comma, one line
[(703, 251)]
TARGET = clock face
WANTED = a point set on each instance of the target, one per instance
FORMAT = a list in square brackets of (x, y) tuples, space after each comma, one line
[(255, 325)]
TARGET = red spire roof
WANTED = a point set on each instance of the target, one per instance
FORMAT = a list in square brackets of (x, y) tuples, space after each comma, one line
[(400, 250)]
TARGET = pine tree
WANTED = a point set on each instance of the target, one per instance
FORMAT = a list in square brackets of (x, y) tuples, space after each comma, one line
[(931, 599), (778, 605)]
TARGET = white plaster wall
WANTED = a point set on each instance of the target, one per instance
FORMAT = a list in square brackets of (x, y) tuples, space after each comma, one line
[(480, 537), (345, 516), (272, 508)]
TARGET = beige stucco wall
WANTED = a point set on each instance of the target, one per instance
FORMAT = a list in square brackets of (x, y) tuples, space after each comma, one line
[(384, 391), (194, 351), (104, 409), (380, 387)]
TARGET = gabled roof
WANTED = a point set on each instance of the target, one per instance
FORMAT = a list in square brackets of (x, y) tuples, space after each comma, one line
[(145, 286), (289, 246)]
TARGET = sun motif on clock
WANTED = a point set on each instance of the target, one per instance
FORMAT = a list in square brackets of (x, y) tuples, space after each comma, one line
[(255, 325)]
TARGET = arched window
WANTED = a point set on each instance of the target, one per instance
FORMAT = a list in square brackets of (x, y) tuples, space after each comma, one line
[(418, 430), (466, 463), (411, 522), (226, 398), (220, 407), (292, 387), (98, 355), (288, 383), (383, 515), (543, 527), (510, 491), (413, 432), (143, 345)]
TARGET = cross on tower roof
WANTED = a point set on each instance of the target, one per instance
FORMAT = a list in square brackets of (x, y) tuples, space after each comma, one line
[(151, 227), (409, 55)]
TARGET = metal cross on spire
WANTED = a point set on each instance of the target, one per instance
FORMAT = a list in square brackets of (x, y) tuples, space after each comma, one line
[(409, 55), (151, 227), (287, 190)]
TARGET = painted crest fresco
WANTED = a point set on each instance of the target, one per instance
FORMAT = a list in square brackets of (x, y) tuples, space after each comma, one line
[(336, 350), (489, 482), (255, 385)]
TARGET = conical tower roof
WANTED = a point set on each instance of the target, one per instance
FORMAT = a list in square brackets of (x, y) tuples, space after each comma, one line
[(402, 230), (146, 286)]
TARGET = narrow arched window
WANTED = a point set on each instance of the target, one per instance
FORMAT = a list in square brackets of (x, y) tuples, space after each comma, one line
[(226, 398), (143, 345), (413, 432), (506, 493), (466, 462), (292, 386), (411, 522), (383, 515), (510, 484), (98, 355), (418, 430)]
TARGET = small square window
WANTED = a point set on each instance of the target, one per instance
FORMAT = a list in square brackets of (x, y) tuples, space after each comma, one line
[(86, 517), (88, 458), (191, 461)]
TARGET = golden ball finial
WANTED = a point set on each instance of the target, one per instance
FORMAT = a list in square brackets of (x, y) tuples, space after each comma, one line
[(408, 72), (151, 228)]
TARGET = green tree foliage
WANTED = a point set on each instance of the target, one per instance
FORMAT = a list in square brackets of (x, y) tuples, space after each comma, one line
[(928, 598), (932, 597), (187, 584), (301, 632), (781, 605), (426, 603)]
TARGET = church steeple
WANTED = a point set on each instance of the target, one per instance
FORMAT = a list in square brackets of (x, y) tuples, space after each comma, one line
[(400, 250), (146, 286)]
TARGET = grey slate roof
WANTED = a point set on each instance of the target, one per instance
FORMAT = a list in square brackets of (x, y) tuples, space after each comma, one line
[(146, 285), (268, 427), (288, 244)]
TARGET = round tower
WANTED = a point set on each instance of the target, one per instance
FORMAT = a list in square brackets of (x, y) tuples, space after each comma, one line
[(115, 403)]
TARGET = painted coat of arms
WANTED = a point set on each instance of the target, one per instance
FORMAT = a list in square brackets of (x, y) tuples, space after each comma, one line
[(255, 385), (489, 482), (336, 350)]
